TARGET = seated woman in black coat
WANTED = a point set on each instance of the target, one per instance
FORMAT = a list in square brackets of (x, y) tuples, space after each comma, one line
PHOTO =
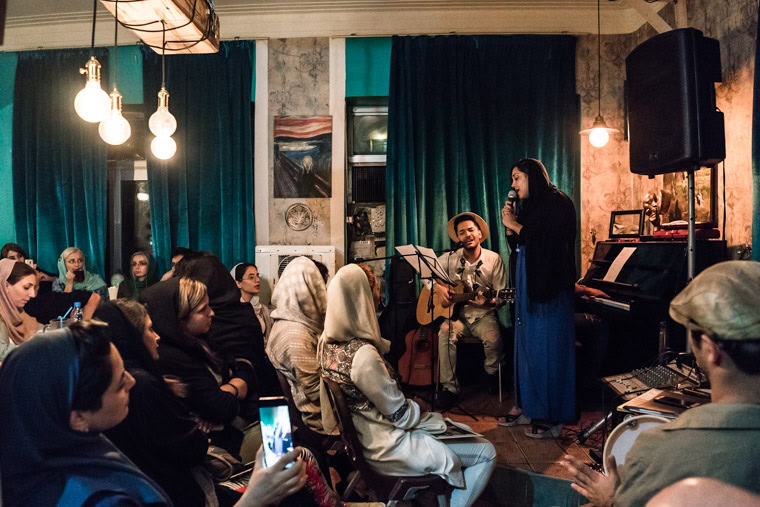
[(181, 315), (159, 434)]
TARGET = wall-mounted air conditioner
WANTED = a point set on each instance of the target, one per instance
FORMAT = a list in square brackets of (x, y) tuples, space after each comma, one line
[(272, 260)]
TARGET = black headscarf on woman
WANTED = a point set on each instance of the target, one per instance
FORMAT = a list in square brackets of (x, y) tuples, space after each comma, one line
[(162, 300), (43, 460), (235, 329), (548, 232), (127, 340)]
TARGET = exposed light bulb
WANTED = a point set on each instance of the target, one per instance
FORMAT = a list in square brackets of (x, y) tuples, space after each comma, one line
[(599, 137), (115, 129), (143, 196), (162, 123), (163, 147), (92, 103)]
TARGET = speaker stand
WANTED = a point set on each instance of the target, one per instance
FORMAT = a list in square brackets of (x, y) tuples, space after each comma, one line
[(691, 242)]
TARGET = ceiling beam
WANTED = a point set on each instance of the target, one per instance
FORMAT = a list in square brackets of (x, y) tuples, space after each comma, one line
[(650, 15)]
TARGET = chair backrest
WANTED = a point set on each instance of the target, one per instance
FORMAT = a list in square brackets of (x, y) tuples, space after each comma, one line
[(295, 414), (350, 438)]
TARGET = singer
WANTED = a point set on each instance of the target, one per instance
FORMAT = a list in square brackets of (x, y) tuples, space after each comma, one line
[(541, 230), (479, 269)]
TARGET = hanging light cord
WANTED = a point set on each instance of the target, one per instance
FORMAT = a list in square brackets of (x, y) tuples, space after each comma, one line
[(94, 11), (163, 54), (115, 45), (598, 53)]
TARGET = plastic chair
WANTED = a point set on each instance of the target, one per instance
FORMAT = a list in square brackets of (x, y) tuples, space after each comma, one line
[(388, 488)]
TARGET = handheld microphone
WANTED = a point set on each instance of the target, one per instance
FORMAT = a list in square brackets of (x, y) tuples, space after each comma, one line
[(512, 196), (454, 248)]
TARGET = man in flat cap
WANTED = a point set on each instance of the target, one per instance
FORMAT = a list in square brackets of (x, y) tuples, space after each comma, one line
[(720, 309), (479, 269)]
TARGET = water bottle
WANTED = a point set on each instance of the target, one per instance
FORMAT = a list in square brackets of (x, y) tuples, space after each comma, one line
[(77, 315)]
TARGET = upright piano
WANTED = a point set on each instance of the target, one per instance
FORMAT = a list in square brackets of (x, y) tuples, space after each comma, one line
[(640, 292)]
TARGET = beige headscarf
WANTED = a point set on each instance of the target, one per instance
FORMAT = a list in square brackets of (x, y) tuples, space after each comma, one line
[(20, 326), (300, 295), (350, 314)]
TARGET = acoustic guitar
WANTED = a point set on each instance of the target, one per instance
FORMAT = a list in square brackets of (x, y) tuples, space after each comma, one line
[(419, 365), (460, 295)]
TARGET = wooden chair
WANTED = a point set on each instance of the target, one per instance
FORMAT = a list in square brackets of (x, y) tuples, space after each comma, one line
[(388, 488), (307, 435)]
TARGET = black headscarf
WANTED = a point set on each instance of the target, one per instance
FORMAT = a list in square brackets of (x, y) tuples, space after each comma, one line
[(127, 340), (162, 300), (549, 228), (235, 330), (43, 460)]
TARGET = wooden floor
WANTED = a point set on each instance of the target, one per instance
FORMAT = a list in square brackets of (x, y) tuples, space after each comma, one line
[(515, 449)]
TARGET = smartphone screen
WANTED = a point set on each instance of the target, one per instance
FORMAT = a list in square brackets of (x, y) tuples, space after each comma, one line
[(276, 434), (29, 262)]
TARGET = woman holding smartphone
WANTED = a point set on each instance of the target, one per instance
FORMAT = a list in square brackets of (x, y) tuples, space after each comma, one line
[(72, 274)]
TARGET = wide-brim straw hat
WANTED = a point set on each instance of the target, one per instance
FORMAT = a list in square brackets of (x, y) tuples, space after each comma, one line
[(478, 220)]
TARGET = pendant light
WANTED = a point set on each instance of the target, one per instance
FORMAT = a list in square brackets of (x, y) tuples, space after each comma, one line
[(91, 103), (599, 133), (162, 123), (115, 129)]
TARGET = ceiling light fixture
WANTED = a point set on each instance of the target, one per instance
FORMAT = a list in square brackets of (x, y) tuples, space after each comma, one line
[(599, 133), (91, 103), (162, 123), (115, 129)]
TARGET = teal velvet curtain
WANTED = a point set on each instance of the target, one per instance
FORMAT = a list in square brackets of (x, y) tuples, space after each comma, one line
[(59, 161), (462, 110), (202, 198), (756, 155)]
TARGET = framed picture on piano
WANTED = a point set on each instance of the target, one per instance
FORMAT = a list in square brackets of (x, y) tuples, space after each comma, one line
[(626, 223)]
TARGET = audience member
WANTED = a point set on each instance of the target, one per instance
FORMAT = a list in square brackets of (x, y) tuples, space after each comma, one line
[(721, 440), (300, 301), (235, 330), (247, 277), (391, 428), (17, 287), (58, 393), (181, 315), (159, 435), (177, 254), (15, 252), (143, 272), (72, 274)]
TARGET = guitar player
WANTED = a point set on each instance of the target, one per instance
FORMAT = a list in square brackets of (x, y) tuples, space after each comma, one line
[(479, 269)]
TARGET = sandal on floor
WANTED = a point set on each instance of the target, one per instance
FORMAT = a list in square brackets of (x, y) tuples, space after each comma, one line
[(514, 420), (543, 431)]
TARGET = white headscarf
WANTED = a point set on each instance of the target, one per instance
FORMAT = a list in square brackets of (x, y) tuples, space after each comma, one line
[(300, 295), (350, 314)]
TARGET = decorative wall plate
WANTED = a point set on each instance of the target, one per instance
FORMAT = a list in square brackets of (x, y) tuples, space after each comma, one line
[(299, 217)]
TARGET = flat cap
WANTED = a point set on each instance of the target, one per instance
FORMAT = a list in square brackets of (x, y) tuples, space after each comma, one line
[(723, 300)]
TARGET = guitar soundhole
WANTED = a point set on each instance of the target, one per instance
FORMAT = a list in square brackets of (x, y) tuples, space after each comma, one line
[(422, 345)]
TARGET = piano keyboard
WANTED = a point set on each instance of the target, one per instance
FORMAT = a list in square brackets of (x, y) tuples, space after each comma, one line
[(619, 305)]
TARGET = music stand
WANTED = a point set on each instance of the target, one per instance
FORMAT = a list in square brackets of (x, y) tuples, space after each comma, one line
[(430, 269)]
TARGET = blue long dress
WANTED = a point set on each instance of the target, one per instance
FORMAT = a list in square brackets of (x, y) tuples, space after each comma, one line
[(544, 352)]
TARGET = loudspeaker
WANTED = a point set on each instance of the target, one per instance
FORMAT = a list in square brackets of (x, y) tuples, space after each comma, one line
[(673, 123)]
